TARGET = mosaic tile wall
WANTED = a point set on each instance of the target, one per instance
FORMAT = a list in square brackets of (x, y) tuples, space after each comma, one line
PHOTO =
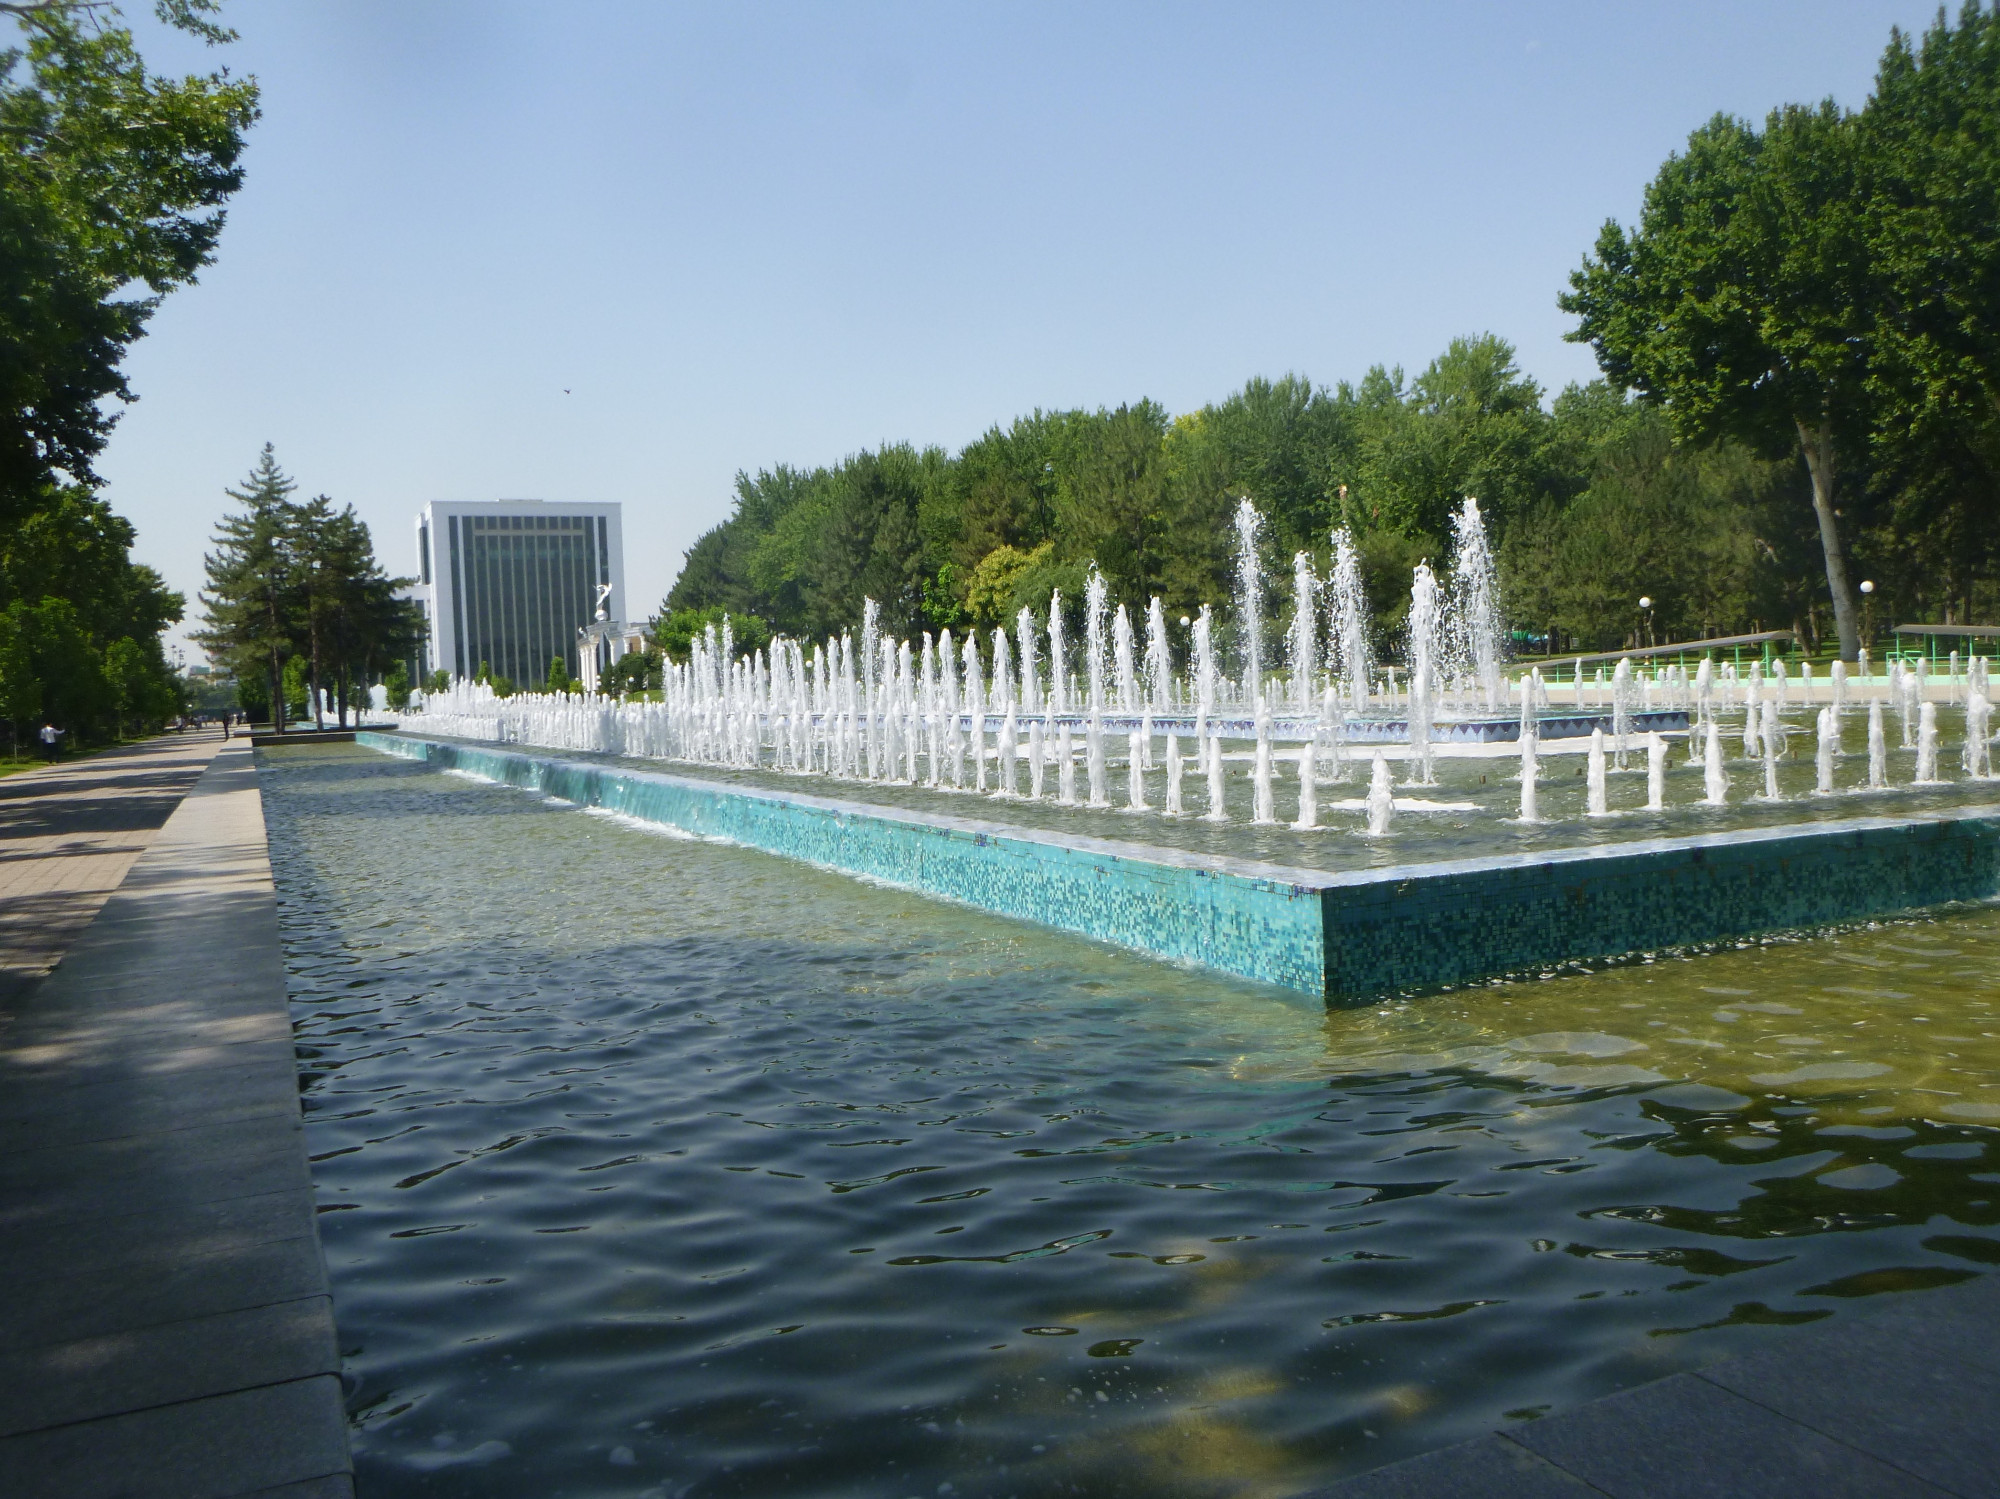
[(1346, 936)]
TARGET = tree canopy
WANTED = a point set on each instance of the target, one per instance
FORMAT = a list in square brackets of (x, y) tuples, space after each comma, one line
[(1831, 283), (969, 538), (296, 603), (112, 186)]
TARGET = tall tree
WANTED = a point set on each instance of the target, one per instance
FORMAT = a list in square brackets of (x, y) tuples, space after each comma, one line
[(253, 601), (1744, 302), (111, 178)]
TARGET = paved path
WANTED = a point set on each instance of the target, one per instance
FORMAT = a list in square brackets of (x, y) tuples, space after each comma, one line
[(165, 1328), (1901, 1403), (68, 835)]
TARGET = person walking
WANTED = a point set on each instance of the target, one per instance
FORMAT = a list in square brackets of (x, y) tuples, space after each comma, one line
[(51, 737)]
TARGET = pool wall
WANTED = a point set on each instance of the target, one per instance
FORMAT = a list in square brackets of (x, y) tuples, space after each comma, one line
[(1349, 937)]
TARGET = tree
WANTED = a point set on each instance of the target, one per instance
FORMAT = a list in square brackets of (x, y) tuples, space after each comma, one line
[(127, 675), (67, 663), (353, 621), (1743, 302), (676, 629), (111, 178), (290, 581), (20, 687), (1932, 137), (252, 601)]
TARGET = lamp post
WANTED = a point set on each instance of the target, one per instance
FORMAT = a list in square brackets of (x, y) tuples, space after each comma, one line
[(1646, 614), (1867, 612)]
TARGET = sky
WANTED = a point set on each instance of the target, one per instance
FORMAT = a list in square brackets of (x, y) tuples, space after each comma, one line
[(500, 250)]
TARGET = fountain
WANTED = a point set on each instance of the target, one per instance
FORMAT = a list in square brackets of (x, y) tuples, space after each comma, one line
[(1978, 756), (1423, 655), (1381, 798), (1770, 739), (1266, 810), (1159, 660), (1350, 624), (1204, 662), (897, 718), (1122, 655), (1302, 639), (1716, 779), (1249, 599), (1058, 657), (1308, 791), (1024, 635), (1218, 810), (1475, 599)]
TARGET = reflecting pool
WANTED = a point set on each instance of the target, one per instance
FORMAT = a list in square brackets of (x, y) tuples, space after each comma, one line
[(650, 1166)]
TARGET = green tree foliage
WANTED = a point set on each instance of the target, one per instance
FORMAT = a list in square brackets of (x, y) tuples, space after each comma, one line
[(112, 186), (1931, 135), (251, 602), (296, 598), (1022, 511), (635, 671), (111, 177), (20, 686), (674, 632), (1743, 302)]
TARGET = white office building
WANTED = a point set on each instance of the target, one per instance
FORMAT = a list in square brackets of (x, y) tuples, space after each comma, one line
[(514, 584)]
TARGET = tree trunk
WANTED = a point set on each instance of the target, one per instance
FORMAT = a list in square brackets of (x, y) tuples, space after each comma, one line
[(318, 722), (277, 665), (1817, 445)]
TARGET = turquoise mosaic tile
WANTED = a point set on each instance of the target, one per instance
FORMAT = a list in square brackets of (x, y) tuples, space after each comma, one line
[(1349, 937)]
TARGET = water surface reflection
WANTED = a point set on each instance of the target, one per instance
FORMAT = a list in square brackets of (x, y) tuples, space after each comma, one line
[(653, 1166)]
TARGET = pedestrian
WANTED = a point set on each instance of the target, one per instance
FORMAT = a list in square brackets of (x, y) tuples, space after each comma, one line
[(51, 741)]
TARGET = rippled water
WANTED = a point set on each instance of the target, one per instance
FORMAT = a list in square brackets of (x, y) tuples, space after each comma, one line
[(657, 1167)]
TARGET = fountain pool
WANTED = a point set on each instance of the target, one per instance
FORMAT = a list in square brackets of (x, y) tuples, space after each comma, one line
[(654, 1166)]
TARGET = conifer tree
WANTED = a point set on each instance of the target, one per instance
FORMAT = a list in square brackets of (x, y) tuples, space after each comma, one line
[(252, 603)]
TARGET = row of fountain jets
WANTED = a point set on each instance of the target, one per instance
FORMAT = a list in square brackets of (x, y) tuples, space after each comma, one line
[(882, 709)]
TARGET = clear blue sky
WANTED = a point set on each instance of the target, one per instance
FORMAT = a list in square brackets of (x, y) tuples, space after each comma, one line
[(491, 249)]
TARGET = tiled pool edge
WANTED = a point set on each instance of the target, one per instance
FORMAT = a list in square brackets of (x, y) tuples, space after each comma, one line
[(1344, 936)]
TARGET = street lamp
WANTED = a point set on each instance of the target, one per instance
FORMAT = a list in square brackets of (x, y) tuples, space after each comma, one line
[(1867, 611), (1646, 609)]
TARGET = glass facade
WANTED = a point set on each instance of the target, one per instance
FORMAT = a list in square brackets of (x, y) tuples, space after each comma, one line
[(521, 587)]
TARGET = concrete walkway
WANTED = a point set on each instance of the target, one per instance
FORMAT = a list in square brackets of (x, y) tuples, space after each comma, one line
[(68, 835), (165, 1328), (1900, 1403)]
